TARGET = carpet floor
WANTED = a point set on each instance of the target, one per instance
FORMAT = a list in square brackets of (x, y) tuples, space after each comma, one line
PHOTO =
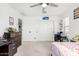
[(34, 48)]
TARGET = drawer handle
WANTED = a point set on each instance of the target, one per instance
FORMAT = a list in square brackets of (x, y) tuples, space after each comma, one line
[(13, 48)]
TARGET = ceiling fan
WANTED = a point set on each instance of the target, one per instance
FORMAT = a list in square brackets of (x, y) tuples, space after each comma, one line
[(44, 6)]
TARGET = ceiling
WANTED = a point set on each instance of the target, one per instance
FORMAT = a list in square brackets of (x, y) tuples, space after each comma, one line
[(25, 10)]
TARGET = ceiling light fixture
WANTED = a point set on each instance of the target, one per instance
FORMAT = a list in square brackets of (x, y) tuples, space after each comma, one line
[(44, 5)]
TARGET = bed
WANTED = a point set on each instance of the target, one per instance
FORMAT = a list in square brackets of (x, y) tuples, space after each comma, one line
[(65, 49)]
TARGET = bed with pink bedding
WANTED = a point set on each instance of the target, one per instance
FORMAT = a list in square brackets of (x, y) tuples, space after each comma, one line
[(65, 49)]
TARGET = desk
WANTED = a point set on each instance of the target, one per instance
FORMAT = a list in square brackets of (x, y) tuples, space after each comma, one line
[(4, 42), (7, 48)]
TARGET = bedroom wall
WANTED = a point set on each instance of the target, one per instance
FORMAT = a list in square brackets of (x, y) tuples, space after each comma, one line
[(74, 23), (74, 29), (36, 29), (5, 11)]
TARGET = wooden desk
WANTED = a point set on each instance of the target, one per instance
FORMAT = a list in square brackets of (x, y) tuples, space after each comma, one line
[(9, 48)]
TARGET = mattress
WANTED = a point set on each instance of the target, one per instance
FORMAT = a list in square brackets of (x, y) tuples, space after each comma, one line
[(65, 48)]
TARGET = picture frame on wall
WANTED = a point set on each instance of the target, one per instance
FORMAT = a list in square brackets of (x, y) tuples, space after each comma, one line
[(11, 20)]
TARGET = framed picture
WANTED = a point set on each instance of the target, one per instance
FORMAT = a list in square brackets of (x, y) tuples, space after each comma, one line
[(11, 20)]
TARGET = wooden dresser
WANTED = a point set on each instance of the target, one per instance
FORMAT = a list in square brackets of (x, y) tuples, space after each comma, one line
[(16, 38)]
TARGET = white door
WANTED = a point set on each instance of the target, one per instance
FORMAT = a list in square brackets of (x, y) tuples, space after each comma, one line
[(46, 30)]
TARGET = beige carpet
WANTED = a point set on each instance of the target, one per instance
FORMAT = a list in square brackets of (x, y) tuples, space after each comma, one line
[(32, 48)]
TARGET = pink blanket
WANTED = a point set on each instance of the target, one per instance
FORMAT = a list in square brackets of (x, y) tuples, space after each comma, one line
[(65, 48)]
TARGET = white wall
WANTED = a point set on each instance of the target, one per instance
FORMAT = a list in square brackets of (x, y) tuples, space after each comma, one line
[(74, 26), (41, 30), (74, 29), (5, 12)]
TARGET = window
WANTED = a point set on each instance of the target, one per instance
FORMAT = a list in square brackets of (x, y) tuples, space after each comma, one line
[(66, 25)]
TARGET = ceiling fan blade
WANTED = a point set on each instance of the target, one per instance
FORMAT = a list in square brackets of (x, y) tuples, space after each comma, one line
[(43, 10), (53, 4), (36, 5)]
